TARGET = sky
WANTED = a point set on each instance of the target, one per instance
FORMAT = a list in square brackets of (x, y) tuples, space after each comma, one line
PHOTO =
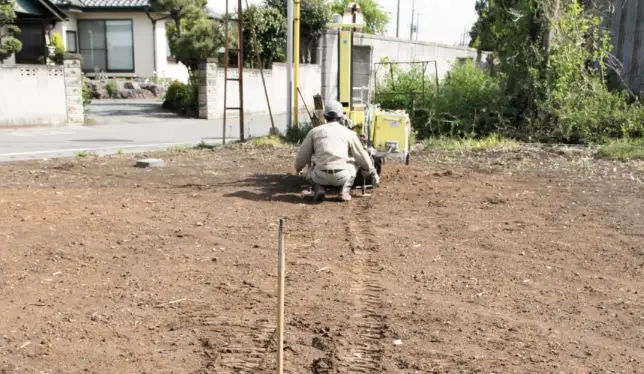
[(441, 21)]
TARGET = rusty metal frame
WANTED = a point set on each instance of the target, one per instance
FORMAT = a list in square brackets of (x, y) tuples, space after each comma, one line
[(240, 68)]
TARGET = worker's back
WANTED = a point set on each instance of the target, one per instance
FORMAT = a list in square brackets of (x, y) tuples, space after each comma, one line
[(331, 145)]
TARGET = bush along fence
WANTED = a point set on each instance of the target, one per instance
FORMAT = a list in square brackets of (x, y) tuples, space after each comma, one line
[(203, 95), (554, 95)]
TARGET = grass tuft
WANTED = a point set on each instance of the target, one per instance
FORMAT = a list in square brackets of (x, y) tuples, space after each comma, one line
[(274, 140), (491, 142), (83, 154), (623, 150)]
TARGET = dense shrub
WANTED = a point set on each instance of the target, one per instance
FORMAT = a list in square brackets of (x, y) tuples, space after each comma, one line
[(467, 102), (554, 92), (297, 134), (182, 98), (577, 104)]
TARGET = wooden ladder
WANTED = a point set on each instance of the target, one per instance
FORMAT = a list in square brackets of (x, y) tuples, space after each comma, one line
[(240, 69)]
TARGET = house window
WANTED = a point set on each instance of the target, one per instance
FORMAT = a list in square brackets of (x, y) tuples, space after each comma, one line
[(71, 42), (106, 45), (33, 50)]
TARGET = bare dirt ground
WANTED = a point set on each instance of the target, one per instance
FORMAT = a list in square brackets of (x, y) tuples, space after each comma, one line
[(520, 261)]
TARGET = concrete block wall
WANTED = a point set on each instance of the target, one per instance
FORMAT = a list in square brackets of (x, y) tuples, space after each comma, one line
[(211, 89), (73, 89), (207, 86), (41, 95)]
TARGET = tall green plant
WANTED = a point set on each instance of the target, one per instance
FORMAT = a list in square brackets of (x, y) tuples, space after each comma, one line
[(314, 16), (469, 104), (9, 43), (577, 97), (552, 55), (268, 27)]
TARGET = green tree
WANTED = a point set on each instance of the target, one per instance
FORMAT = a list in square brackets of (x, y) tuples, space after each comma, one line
[(193, 36), (481, 34), (314, 16), (180, 9), (9, 44), (375, 16), (269, 28), (552, 56)]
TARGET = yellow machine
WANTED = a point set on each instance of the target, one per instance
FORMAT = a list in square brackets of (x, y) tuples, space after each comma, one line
[(391, 132), (384, 132)]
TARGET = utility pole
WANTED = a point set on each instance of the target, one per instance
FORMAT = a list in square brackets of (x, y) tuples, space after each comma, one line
[(398, 21), (411, 27), (289, 58), (296, 63)]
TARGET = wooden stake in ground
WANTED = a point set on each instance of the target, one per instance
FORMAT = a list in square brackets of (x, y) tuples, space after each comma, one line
[(280, 303)]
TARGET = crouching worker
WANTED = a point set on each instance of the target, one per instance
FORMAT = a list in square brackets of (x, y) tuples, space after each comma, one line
[(333, 153)]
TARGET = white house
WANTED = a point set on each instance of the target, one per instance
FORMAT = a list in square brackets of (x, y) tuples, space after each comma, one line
[(115, 37), (118, 37)]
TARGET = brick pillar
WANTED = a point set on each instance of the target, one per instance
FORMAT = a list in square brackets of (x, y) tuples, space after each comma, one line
[(73, 89), (207, 81)]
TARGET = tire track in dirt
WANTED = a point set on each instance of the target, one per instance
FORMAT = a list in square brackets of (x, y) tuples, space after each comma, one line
[(368, 320), (244, 345), (238, 345)]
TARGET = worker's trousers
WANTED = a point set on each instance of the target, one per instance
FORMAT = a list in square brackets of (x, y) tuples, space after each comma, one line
[(335, 177)]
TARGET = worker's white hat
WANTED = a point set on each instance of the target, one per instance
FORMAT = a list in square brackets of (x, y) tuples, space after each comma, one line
[(333, 109)]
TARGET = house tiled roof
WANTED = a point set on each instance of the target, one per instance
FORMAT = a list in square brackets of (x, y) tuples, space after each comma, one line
[(108, 4)]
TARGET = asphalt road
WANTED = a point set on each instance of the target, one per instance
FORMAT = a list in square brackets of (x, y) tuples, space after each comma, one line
[(125, 126)]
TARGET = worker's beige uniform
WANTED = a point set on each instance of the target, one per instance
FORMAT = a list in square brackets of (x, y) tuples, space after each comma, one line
[(335, 152)]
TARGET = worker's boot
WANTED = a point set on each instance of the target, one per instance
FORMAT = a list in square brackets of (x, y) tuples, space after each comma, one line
[(345, 195), (319, 192)]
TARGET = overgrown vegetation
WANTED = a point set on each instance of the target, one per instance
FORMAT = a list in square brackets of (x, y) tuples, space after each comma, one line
[(549, 85), (624, 150), (494, 141), (466, 103), (182, 98), (9, 43)]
